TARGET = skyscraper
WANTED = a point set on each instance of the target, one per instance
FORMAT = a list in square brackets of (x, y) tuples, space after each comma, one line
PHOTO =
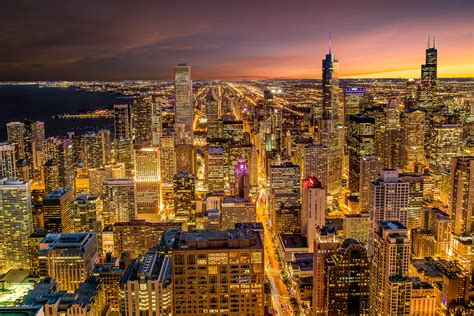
[(184, 200), (147, 120), (390, 287), (184, 110), (16, 224), (370, 167), (147, 179), (122, 122), (352, 102), (313, 208), (315, 163), (242, 181), (16, 136), (461, 199), (429, 77), (57, 211), (85, 213), (7, 161), (119, 201)]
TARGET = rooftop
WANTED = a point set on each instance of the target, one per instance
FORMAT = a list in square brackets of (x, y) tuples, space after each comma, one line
[(215, 239), (293, 241)]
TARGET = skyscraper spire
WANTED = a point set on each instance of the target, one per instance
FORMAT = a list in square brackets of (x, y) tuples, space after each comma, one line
[(330, 43), (428, 40), (434, 41)]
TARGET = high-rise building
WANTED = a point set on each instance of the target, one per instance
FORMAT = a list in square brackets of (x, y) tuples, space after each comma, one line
[(71, 257), (85, 213), (105, 147), (443, 144), (313, 208), (242, 180), (184, 186), (352, 102), (237, 210), (147, 179), (16, 136), (370, 167), (51, 176), (389, 198), (326, 242), (285, 177), (122, 122), (348, 280), (315, 163), (215, 163), (147, 120), (414, 127), (16, 224), (184, 109), (213, 115), (461, 198), (57, 211), (390, 287), (7, 161), (167, 160), (232, 273), (118, 199), (357, 226), (416, 197), (360, 144), (429, 77)]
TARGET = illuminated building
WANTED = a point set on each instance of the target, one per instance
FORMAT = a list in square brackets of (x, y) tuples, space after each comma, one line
[(348, 280), (97, 176), (92, 150), (357, 226), (370, 167), (105, 146), (147, 120), (71, 257), (33, 252), (147, 180), (326, 242), (285, 211), (7, 161), (16, 136), (231, 279), (85, 213), (422, 243), (315, 163), (183, 102), (461, 199), (285, 176), (389, 198), (57, 211), (236, 210), (423, 300), (109, 274), (118, 200), (242, 181), (390, 287), (16, 224), (414, 126), (352, 102), (167, 160), (124, 154), (122, 122), (444, 143), (51, 176), (360, 144), (184, 199), (313, 208), (233, 131), (429, 77), (438, 223), (87, 299), (215, 163), (213, 116), (416, 197), (236, 153), (138, 236), (81, 178), (185, 157)]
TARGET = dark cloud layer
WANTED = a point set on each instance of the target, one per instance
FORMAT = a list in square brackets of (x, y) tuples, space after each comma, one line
[(113, 40)]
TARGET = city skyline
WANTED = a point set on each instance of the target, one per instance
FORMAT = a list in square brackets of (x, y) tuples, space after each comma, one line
[(232, 40)]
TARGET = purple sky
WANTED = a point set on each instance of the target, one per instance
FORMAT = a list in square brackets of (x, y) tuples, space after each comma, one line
[(115, 40)]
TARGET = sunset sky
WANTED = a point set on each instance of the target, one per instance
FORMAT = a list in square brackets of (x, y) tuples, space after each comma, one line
[(117, 40)]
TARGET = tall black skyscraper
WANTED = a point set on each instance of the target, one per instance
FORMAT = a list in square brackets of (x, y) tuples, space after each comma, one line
[(429, 77)]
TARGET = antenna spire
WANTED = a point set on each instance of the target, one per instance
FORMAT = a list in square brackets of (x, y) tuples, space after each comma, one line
[(434, 41), (428, 40), (330, 43)]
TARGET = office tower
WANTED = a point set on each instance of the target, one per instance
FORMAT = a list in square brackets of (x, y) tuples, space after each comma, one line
[(237, 153), (105, 147), (348, 280), (85, 213), (326, 242), (92, 150), (411, 94), (444, 143), (237, 210), (66, 162), (370, 167), (414, 127), (285, 176), (423, 300), (81, 179), (352, 102), (184, 186), (71, 257), (185, 157), (147, 120), (429, 77), (37, 135), (147, 179), (167, 160), (16, 136), (357, 226), (7, 161), (330, 82), (215, 164), (138, 236), (461, 198), (118, 198), (416, 197), (242, 180), (51, 176), (109, 274), (233, 131), (87, 299), (16, 224), (439, 224), (97, 176), (389, 198), (315, 163), (360, 144), (285, 211), (124, 155), (390, 287), (152, 275), (57, 211), (213, 114), (232, 267), (184, 109), (34, 239), (122, 122), (313, 208)]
